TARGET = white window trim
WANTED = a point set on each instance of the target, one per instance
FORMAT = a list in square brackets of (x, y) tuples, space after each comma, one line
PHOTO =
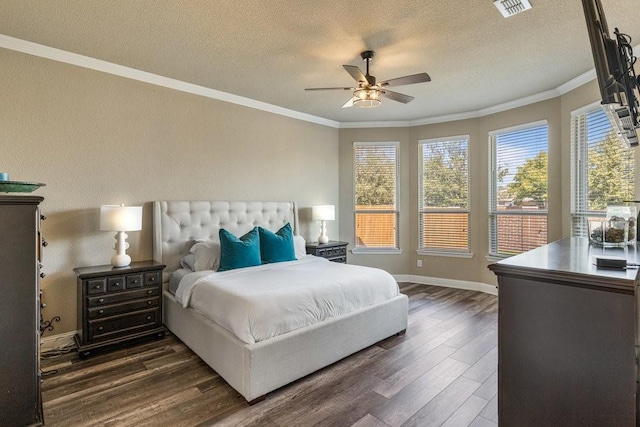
[(444, 253), (577, 170), (515, 128), (453, 253), (495, 256), (376, 251), (379, 250)]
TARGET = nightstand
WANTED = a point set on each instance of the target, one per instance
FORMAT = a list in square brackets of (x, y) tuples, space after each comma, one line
[(333, 251), (117, 305)]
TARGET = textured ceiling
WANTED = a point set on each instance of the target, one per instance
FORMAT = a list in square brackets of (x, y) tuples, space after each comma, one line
[(271, 50)]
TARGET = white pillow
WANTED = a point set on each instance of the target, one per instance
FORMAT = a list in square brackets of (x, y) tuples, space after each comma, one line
[(300, 246), (207, 255)]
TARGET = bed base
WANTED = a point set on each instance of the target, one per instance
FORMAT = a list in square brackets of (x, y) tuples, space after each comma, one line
[(257, 369)]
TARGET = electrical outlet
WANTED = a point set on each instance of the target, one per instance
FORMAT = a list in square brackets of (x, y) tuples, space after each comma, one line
[(419, 263)]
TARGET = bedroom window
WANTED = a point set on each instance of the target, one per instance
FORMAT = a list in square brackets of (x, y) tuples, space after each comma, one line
[(518, 183), (444, 196), (376, 196), (602, 167)]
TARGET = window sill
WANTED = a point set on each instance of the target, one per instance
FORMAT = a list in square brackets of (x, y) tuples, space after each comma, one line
[(496, 258), (382, 251), (424, 252)]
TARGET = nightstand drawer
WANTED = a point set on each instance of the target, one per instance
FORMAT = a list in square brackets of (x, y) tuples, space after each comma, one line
[(134, 281), (123, 307), (123, 324), (96, 286), (122, 296), (331, 251), (115, 283), (152, 278)]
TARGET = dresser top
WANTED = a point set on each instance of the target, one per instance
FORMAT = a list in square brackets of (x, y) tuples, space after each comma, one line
[(20, 200), (329, 244), (572, 260), (110, 270)]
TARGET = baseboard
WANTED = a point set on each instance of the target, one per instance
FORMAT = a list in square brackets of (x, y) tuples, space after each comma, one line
[(448, 283), (58, 341)]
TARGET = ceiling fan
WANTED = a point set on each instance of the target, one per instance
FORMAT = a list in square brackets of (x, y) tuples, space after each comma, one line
[(369, 93)]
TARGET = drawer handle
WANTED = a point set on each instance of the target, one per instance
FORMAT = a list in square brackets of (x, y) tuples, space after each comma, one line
[(101, 300), (42, 217), (152, 278), (96, 287), (149, 291), (44, 243), (115, 285), (134, 281), (149, 302), (42, 275), (100, 328), (148, 317), (100, 311)]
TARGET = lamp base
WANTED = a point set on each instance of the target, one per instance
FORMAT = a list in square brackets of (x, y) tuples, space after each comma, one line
[(323, 239), (120, 260)]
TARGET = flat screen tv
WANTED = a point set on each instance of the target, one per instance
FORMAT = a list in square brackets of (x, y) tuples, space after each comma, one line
[(614, 60)]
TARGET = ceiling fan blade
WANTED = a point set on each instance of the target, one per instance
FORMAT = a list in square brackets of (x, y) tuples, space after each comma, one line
[(329, 88), (355, 73), (397, 96), (349, 103), (406, 80)]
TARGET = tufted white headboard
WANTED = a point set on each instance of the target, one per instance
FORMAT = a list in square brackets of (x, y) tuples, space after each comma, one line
[(177, 224)]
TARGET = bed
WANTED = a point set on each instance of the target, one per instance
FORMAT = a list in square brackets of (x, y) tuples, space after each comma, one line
[(257, 368)]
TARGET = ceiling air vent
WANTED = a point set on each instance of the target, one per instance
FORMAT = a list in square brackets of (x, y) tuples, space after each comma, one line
[(512, 7)]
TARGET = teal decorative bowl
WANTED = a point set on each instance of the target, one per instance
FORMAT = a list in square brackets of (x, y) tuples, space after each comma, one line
[(19, 187)]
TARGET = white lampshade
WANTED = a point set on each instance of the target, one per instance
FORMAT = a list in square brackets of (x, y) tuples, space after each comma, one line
[(323, 213), (120, 218)]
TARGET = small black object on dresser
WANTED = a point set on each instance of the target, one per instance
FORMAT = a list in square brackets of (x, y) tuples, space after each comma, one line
[(333, 250), (116, 305)]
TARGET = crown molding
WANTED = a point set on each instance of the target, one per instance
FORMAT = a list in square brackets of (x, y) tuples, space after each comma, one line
[(54, 54), (576, 82), (71, 58)]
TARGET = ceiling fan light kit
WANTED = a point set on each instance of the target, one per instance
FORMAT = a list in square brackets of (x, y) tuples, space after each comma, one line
[(367, 98), (512, 7), (369, 93)]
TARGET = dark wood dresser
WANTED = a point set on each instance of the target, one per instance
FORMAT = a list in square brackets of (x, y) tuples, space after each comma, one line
[(333, 250), (117, 305), (20, 256), (567, 337)]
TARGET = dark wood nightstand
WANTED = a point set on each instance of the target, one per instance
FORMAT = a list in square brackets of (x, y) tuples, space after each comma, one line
[(116, 305), (333, 251)]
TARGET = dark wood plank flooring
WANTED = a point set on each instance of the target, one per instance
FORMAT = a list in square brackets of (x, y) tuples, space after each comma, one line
[(443, 371)]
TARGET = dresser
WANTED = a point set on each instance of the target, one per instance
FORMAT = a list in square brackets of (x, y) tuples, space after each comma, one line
[(567, 337), (118, 305), (333, 250), (20, 256)]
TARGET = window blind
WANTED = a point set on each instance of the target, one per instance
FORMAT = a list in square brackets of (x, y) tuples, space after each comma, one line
[(376, 193), (518, 189), (602, 168), (444, 195)]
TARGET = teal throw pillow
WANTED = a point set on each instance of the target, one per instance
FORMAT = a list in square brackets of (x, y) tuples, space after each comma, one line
[(278, 246), (239, 252)]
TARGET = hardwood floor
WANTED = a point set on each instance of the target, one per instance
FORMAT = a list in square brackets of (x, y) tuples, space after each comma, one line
[(443, 371)]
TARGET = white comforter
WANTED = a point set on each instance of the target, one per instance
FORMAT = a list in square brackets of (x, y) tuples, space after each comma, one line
[(257, 303)]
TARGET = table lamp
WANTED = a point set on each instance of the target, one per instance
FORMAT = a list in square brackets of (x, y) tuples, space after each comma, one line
[(120, 219), (323, 213)]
